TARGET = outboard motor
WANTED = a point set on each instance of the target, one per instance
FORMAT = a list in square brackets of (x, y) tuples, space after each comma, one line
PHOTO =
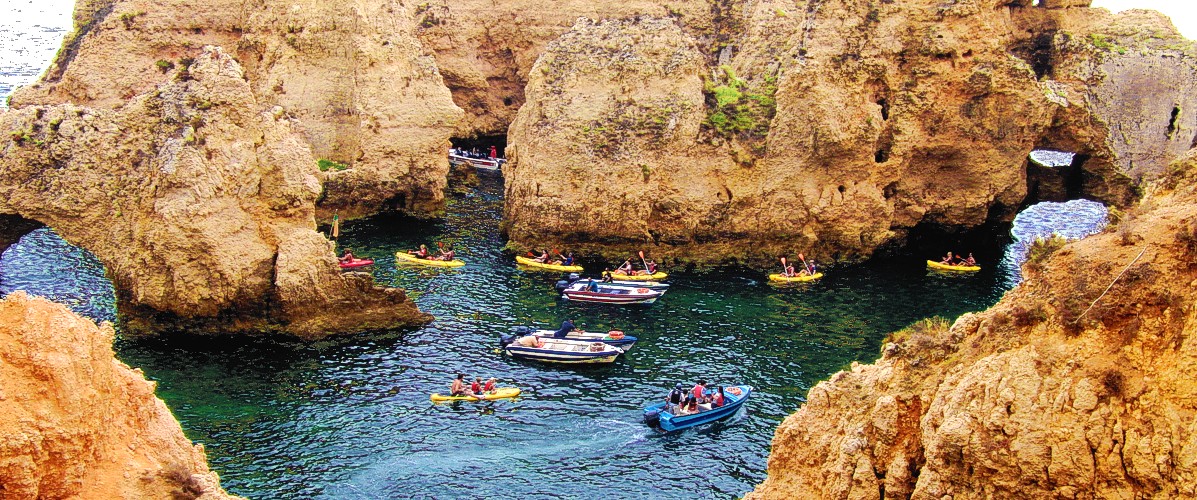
[(562, 285), (506, 340), (523, 330), (653, 418)]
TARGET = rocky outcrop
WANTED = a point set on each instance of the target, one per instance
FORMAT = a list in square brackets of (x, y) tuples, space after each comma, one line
[(1080, 383), (199, 200), (353, 76), (80, 424), (834, 128), (486, 49)]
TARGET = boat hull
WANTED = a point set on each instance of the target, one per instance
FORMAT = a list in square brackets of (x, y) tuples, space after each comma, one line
[(524, 261), (406, 258), (565, 351), (669, 422), (939, 266), (500, 393), (794, 279), (612, 296)]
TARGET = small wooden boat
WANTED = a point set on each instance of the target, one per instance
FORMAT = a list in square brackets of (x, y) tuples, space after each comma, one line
[(404, 257), (550, 350), (459, 157), (734, 397), (614, 337), (499, 393), (524, 261), (794, 279), (939, 266), (595, 291), (657, 276), (355, 263)]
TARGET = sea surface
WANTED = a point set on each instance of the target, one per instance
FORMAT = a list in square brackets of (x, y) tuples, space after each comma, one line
[(351, 418), (30, 34)]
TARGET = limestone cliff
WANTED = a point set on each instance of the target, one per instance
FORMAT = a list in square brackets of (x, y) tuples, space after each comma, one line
[(486, 49), (834, 127), (352, 75), (199, 200), (1080, 383), (80, 424)]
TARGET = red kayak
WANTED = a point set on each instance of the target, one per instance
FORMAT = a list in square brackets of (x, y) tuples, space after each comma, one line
[(356, 263)]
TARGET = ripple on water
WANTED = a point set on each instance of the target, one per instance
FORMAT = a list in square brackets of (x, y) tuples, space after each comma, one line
[(1073, 219), (351, 418)]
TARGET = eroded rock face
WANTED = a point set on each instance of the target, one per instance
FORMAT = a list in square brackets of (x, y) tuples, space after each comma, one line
[(199, 200), (1057, 391), (80, 424), (485, 49), (834, 128), (352, 75)]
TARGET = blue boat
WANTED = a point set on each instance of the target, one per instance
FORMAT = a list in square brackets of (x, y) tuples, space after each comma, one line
[(734, 397)]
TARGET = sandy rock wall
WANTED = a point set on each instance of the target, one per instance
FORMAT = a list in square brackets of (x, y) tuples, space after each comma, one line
[(1078, 384), (199, 203), (836, 127), (352, 74), (485, 50), (80, 424)]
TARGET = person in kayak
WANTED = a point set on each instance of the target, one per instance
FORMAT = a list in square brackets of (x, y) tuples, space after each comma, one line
[(567, 259), (566, 327), (626, 268), (476, 386), (347, 257), (607, 275), (458, 388), (543, 258), (489, 388), (421, 253), (810, 268), (788, 271), (970, 261), (947, 260), (651, 267), (445, 255)]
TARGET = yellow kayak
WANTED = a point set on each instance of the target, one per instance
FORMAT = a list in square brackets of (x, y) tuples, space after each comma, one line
[(500, 393), (401, 257), (524, 261), (945, 267), (659, 275), (794, 279)]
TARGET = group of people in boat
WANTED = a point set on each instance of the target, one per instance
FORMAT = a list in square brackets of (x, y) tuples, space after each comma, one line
[(560, 260), (442, 254), (475, 389), (808, 269), (957, 260), (474, 153), (681, 402)]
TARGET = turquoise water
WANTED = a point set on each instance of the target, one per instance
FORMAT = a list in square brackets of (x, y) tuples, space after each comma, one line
[(350, 418)]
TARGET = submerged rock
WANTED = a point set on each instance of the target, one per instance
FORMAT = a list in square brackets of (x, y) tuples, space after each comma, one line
[(80, 424), (1078, 384)]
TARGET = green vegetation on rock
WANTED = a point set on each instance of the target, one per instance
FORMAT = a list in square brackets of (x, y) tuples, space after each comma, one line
[(326, 164), (738, 109)]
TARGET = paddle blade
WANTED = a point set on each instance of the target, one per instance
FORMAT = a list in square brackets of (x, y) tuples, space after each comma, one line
[(801, 257), (642, 255), (440, 245), (783, 262)]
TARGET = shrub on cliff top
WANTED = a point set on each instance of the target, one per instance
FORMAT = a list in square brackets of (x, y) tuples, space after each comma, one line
[(1042, 249)]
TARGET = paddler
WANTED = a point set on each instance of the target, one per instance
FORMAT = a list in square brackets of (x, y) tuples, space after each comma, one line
[(458, 388), (347, 257)]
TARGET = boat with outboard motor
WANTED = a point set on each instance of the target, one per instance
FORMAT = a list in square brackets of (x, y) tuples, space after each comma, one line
[(658, 415), (605, 293), (614, 337), (551, 350), (477, 160)]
